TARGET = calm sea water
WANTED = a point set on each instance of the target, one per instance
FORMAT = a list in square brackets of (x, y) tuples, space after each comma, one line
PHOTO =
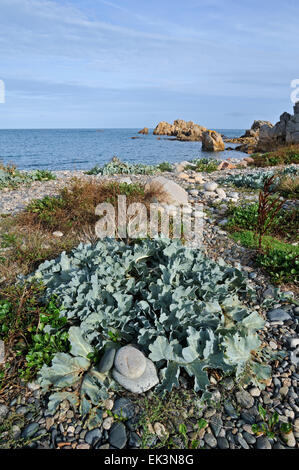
[(76, 149)]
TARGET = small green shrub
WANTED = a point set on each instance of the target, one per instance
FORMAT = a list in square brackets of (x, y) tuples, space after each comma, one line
[(116, 167), (165, 166), (207, 165)]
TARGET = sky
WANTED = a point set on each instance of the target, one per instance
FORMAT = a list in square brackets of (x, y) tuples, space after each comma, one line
[(133, 63)]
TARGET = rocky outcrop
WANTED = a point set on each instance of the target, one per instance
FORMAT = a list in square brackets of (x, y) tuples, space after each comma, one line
[(285, 131), (143, 131), (292, 129), (182, 130), (212, 142), (250, 138)]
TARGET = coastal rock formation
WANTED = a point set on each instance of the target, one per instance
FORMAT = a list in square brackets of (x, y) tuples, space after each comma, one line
[(170, 193), (144, 131), (212, 142), (285, 131), (180, 129), (250, 138)]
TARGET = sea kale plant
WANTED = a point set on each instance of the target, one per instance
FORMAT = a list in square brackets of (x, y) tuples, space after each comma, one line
[(183, 310), (10, 177), (256, 180), (116, 167)]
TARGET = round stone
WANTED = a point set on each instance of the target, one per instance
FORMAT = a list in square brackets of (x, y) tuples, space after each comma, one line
[(210, 186), (141, 384), (130, 362), (263, 443)]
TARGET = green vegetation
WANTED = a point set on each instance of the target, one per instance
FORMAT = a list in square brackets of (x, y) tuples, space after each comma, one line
[(207, 165), (165, 166), (281, 156), (256, 180), (117, 167), (270, 425), (10, 177), (185, 311), (33, 331)]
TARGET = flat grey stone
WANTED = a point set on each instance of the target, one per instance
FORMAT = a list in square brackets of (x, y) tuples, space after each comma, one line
[(245, 399), (92, 436), (278, 314), (118, 435), (263, 443), (130, 362), (106, 362), (141, 384), (30, 430)]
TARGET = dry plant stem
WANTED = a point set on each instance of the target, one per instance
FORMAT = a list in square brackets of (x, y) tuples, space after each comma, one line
[(267, 210)]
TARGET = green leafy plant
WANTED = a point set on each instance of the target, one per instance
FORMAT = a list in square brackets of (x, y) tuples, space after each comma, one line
[(207, 165), (270, 426), (268, 210), (183, 310), (116, 167), (256, 180), (10, 177), (165, 166)]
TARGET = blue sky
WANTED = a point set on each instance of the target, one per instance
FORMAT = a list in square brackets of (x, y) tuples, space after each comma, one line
[(129, 63)]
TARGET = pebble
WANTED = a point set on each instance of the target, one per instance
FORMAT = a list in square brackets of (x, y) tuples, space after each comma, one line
[(107, 423), (106, 362), (244, 399), (289, 439), (3, 412), (123, 407), (263, 443), (118, 435), (222, 443), (210, 440), (30, 430), (93, 436), (210, 186)]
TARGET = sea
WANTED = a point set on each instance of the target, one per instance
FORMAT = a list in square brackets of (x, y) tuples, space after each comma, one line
[(82, 149)]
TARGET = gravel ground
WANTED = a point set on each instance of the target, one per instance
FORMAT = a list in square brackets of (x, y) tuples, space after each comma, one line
[(229, 419)]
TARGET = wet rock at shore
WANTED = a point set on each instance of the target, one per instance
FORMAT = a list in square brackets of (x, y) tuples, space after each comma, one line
[(212, 142)]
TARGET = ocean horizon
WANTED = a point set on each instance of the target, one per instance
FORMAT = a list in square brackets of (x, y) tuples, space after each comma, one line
[(82, 149)]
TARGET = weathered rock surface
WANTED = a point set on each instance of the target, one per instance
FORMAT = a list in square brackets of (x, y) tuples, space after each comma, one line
[(180, 129), (285, 131), (212, 142), (140, 384), (171, 192), (144, 131), (130, 362)]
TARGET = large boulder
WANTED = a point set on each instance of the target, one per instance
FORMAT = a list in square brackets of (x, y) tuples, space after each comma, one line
[(167, 191), (212, 142)]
